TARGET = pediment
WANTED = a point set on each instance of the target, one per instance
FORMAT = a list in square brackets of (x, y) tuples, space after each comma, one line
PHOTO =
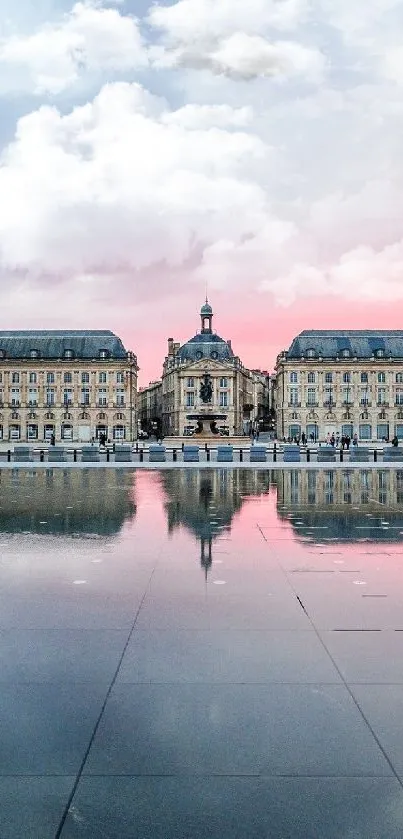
[(203, 364)]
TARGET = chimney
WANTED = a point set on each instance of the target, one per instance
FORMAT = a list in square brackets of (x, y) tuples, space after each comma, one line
[(170, 346)]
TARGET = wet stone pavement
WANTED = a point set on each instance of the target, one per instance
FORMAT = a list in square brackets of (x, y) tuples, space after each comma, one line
[(201, 653)]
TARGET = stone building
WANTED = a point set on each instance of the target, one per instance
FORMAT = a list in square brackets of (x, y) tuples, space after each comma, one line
[(341, 382), (73, 385), (205, 387), (150, 408)]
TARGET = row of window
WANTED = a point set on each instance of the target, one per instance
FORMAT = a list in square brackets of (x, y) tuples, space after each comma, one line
[(346, 377), (67, 354), (50, 396), (223, 399), (365, 431), (16, 378), (344, 353), (34, 432), (191, 382)]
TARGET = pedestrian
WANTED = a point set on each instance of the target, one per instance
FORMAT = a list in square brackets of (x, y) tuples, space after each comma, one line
[(395, 441), (332, 440), (337, 440), (303, 438), (348, 441), (355, 440), (343, 441)]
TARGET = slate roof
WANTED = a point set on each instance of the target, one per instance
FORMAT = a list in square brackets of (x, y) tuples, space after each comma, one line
[(361, 343), (205, 345), (53, 343)]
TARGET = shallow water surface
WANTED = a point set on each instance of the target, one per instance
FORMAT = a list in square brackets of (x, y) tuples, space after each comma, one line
[(193, 653)]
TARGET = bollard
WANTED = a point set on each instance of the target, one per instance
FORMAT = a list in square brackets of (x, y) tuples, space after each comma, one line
[(75, 455), (107, 455), (182, 446), (174, 455), (341, 456), (375, 455), (205, 447), (114, 448), (308, 456), (208, 452), (274, 453), (137, 448), (9, 456), (41, 456), (141, 455)]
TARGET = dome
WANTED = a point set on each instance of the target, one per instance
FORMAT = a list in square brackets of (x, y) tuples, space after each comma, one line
[(206, 345), (206, 309)]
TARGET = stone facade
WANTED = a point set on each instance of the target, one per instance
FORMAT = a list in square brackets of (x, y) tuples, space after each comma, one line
[(184, 371), (150, 408), (73, 385), (343, 383)]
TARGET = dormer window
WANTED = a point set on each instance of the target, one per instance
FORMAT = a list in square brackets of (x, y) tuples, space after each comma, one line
[(311, 353), (68, 354), (345, 353), (104, 353), (34, 353), (380, 352)]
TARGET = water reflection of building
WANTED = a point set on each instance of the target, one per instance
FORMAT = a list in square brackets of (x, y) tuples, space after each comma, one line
[(353, 501), (71, 501), (206, 501)]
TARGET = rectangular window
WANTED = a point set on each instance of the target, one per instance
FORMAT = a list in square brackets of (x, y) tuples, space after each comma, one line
[(364, 378), (67, 396), (102, 378), (382, 432), (85, 396), (15, 378), (85, 378), (190, 399), (399, 396), (102, 396), (381, 396), (293, 377), (1, 377), (32, 379), (312, 396), (50, 378), (365, 431), (32, 396), (294, 432), (120, 378), (311, 378), (68, 378), (399, 378), (190, 382), (364, 397), (50, 396), (382, 377), (224, 399), (15, 396), (329, 378), (347, 430), (120, 396), (224, 382), (294, 396), (119, 432), (346, 378), (329, 400)]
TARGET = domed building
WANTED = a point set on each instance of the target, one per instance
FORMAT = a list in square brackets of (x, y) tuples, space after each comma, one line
[(205, 390)]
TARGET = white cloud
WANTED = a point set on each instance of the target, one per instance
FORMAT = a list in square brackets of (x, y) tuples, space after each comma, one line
[(235, 39), (89, 39), (246, 57), (209, 116), (116, 186)]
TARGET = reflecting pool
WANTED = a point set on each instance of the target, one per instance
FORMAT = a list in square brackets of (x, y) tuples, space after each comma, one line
[(201, 653)]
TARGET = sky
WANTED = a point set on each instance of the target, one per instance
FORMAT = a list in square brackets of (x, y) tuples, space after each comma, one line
[(152, 151)]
